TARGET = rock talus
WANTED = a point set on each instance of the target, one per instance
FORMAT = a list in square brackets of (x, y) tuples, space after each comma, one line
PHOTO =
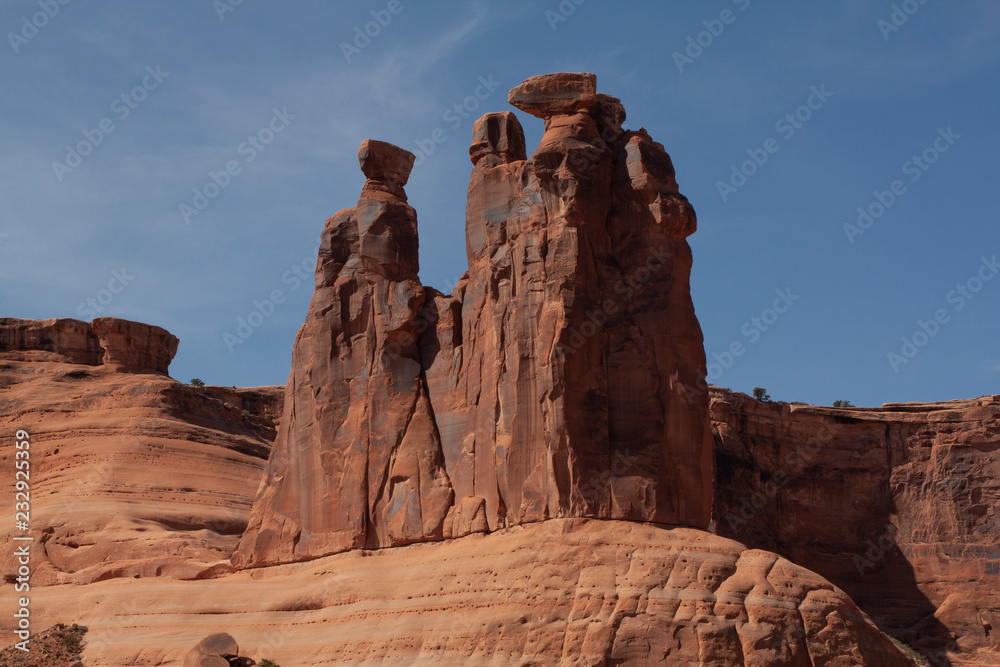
[(549, 383)]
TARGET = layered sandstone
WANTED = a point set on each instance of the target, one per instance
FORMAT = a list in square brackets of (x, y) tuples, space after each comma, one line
[(131, 474), (131, 347), (561, 592), (550, 383), (897, 505)]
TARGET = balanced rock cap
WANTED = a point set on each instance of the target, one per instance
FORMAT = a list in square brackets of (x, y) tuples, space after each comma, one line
[(382, 161), (555, 94)]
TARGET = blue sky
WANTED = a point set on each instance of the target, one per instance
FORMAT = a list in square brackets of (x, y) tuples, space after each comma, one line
[(266, 89)]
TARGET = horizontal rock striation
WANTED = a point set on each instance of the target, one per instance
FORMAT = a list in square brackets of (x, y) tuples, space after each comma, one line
[(132, 475), (562, 592), (131, 347), (898, 505)]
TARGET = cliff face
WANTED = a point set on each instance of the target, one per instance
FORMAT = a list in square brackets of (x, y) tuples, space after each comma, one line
[(140, 482), (540, 412), (897, 505), (131, 474), (550, 383), (131, 347)]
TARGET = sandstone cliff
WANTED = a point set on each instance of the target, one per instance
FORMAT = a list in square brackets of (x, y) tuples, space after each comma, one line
[(143, 483), (550, 383), (897, 505), (131, 474), (132, 347), (528, 446)]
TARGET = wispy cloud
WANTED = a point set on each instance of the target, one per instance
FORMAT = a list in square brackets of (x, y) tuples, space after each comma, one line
[(410, 60)]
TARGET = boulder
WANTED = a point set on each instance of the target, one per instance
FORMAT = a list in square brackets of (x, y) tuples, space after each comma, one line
[(218, 650), (498, 136), (387, 167)]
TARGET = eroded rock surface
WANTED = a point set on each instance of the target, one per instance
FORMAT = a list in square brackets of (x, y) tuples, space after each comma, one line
[(898, 505), (561, 592), (549, 383), (359, 462), (131, 347), (552, 387), (131, 474)]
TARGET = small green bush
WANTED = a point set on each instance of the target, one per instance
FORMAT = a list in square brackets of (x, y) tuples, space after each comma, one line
[(761, 394), (73, 642), (195, 382), (842, 404), (912, 653), (267, 663)]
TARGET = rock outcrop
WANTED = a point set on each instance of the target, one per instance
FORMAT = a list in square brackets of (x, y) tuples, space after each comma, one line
[(898, 505), (131, 474), (559, 592), (131, 347), (218, 650), (531, 444), (549, 383), (358, 460)]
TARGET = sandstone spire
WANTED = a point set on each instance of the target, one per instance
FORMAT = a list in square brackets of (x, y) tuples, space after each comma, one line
[(557, 380), (359, 464)]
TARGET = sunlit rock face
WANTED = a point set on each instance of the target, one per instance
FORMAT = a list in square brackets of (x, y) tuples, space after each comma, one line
[(558, 379)]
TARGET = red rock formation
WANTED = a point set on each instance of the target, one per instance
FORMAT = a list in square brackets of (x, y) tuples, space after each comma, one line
[(131, 347), (898, 505), (135, 347), (218, 650), (548, 384), (580, 329), (131, 474), (141, 481), (66, 340), (549, 389), (358, 459), (560, 592)]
